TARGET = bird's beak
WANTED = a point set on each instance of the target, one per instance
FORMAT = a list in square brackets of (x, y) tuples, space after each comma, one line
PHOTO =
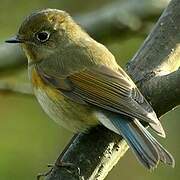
[(14, 39)]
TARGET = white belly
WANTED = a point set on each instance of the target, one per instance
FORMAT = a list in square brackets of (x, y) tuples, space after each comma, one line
[(67, 113)]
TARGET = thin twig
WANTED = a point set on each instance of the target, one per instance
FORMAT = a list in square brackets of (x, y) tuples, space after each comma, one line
[(17, 88)]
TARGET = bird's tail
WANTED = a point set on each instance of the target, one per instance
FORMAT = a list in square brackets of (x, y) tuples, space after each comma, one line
[(146, 148)]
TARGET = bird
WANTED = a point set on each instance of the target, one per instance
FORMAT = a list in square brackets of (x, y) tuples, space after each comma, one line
[(79, 84)]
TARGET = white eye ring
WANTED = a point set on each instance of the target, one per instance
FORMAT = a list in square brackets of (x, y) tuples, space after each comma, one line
[(42, 36)]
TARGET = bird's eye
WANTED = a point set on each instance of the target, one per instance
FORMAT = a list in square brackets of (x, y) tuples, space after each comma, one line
[(42, 36)]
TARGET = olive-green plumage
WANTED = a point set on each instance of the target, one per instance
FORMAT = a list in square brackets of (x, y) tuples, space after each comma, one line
[(79, 84)]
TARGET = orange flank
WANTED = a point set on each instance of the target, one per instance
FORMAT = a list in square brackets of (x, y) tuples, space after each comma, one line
[(38, 83), (36, 80)]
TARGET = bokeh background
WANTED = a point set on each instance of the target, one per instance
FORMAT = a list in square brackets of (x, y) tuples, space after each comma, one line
[(29, 140)]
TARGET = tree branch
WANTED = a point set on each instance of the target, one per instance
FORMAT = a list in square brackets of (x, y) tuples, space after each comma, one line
[(154, 66), (163, 92), (17, 88), (11, 57), (120, 15)]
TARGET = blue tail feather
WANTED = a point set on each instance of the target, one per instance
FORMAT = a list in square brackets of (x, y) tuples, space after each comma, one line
[(143, 144)]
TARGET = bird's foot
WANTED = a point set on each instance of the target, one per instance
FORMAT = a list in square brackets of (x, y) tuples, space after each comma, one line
[(70, 167)]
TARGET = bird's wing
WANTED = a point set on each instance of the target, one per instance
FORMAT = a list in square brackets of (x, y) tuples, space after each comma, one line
[(107, 89)]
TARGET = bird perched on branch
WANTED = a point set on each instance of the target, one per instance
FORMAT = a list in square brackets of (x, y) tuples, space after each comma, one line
[(79, 84)]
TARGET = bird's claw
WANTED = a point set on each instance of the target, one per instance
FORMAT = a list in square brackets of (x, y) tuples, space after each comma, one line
[(70, 167)]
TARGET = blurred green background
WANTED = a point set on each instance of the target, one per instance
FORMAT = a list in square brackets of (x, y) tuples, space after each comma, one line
[(29, 140)]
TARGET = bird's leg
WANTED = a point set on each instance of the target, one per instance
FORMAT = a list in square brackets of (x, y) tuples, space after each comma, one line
[(70, 167)]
